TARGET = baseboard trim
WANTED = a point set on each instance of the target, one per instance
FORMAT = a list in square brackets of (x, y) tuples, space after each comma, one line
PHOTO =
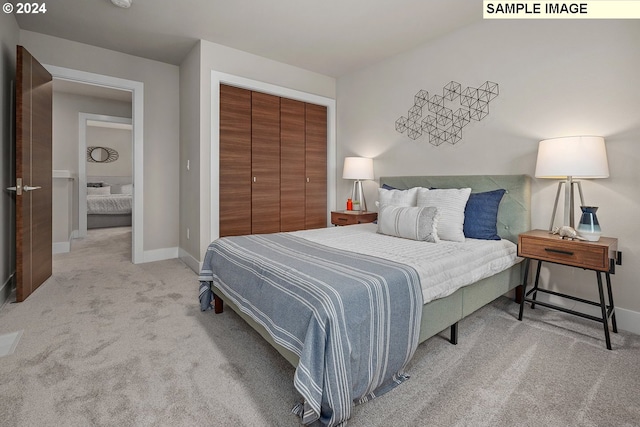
[(627, 320), (190, 261), (5, 290), (65, 247), (160, 254), (61, 247)]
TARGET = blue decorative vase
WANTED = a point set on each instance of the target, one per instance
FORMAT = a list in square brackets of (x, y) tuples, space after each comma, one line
[(589, 228)]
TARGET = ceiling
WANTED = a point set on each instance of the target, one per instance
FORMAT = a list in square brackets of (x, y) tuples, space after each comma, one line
[(331, 37)]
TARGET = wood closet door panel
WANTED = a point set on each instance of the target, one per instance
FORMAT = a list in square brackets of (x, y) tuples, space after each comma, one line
[(235, 161), (316, 166), (292, 158), (265, 163)]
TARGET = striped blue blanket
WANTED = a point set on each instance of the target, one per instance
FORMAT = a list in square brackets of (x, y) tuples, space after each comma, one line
[(353, 320)]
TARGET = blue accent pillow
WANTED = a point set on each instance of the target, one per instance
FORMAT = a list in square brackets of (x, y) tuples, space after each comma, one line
[(388, 187), (481, 215)]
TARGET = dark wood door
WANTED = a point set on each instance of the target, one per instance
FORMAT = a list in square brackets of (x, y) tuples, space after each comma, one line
[(292, 165), (34, 95), (265, 163), (316, 166), (235, 161)]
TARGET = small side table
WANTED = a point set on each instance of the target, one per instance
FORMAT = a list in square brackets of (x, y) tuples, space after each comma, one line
[(601, 257), (352, 217)]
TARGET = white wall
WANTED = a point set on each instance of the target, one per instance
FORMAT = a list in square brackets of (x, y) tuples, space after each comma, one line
[(9, 33), (116, 139), (63, 212), (210, 56), (161, 125), (66, 109), (556, 78), (190, 131)]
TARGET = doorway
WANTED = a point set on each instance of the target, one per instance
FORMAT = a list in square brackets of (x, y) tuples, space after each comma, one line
[(92, 171), (136, 89)]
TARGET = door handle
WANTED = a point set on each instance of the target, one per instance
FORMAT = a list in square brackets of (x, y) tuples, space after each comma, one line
[(17, 188)]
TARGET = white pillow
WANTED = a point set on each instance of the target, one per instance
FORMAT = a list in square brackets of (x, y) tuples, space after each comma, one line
[(450, 203), (127, 189), (397, 197), (98, 191), (409, 222)]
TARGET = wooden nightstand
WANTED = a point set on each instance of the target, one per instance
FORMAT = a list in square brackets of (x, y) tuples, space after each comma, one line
[(600, 256), (352, 217)]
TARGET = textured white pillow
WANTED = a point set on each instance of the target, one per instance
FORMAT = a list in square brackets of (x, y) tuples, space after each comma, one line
[(409, 222), (98, 191), (397, 197), (121, 188), (450, 203)]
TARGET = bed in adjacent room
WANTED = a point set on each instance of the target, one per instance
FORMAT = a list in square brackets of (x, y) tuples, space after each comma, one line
[(109, 201), (347, 306)]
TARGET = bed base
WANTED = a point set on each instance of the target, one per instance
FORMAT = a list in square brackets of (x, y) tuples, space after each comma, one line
[(437, 315), (108, 220), (218, 308), (514, 217)]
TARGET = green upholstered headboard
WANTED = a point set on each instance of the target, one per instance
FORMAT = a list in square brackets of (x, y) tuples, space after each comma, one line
[(514, 214)]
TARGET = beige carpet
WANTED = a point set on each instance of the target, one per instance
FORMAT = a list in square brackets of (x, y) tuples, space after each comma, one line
[(109, 343)]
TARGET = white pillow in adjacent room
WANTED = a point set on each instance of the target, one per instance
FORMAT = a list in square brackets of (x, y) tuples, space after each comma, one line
[(98, 191), (409, 222), (450, 203), (398, 197)]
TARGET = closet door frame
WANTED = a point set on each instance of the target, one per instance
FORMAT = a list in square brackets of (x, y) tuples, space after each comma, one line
[(218, 78)]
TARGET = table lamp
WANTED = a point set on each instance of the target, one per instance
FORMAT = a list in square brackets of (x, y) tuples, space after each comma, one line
[(568, 158), (358, 168)]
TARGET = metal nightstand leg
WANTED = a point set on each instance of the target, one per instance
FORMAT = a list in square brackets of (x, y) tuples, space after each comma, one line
[(527, 261), (603, 308), (612, 306), (535, 285)]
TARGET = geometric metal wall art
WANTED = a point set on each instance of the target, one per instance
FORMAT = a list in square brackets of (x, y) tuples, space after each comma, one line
[(445, 124)]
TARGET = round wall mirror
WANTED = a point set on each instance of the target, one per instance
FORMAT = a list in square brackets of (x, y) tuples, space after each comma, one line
[(101, 154)]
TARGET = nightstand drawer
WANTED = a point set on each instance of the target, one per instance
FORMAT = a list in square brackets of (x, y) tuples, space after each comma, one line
[(575, 253), (352, 217), (343, 219)]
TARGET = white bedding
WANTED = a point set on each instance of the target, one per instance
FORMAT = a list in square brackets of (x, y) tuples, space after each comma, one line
[(109, 204), (443, 267)]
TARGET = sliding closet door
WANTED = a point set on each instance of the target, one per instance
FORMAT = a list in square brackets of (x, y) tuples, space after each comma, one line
[(235, 161), (265, 163), (292, 157), (316, 166)]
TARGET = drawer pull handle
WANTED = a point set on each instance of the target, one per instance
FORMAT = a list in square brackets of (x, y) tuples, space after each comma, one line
[(558, 251), (343, 219)]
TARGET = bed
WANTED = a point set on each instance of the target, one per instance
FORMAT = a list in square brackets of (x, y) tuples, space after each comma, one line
[(109, 201), (244, 283)]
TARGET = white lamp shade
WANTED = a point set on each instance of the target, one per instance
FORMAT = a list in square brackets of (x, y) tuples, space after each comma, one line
[(357, 168), (575, 156)]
